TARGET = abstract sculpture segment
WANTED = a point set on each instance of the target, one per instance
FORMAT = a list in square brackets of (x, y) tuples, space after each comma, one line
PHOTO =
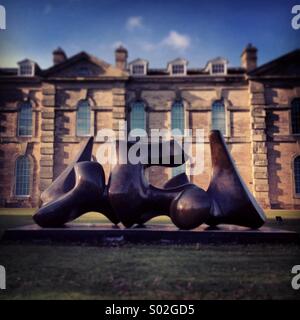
[(66, 180), (130, 199), (236, 204)]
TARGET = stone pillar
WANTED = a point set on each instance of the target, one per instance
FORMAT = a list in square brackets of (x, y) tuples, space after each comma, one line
[(119, 108), (47, 136), (259, 144)]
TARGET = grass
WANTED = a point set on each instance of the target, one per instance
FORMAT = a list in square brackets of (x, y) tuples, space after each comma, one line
[(148, 272)]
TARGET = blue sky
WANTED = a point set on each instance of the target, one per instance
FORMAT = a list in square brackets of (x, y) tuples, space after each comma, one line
[(155, 30)]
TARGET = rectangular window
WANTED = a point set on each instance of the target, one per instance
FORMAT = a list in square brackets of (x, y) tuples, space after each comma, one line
[(26, 70), (83, 119), (218, 117), (138, 116), (138, 69), (177, 117), (178, 69), (23, 174), (25, 120), (218, 68)]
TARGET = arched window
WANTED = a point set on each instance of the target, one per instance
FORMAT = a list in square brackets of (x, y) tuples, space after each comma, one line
[(23, 174), (218, 117), (177, 116), (83, 118), (296, 115), (138, 116), (297, 174), (25, 120)]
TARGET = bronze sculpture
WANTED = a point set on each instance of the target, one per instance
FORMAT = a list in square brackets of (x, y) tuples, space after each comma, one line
[(128, 197)]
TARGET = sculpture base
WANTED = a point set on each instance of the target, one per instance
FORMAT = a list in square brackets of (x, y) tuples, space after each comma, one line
[(164, 234)]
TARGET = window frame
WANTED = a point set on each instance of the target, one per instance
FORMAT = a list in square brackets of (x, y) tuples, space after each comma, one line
[(144, 112), (175, 64), (185, 124), (90, 118), (217, 65), (26, 64), (21, 105), (178, 65), (225, 133), (138, 65), (30, 162), (184, 167), (214, 62)]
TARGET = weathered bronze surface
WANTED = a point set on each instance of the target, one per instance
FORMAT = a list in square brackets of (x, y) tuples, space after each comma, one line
[(130, 199), (79, 189), (234, 202)]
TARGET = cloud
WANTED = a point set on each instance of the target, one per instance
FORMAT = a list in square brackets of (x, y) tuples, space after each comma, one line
[(47, 9), (174, 41), (134, 23), (148, 46), (177, 41)]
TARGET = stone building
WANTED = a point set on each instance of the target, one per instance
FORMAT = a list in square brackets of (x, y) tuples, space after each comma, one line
[(45, 114)]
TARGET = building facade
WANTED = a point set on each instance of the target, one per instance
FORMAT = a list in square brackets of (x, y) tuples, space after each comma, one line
[(46, 114)]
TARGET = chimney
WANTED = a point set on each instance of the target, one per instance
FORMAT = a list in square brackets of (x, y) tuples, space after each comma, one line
[(59, 56), (249, 57), (121, 55)]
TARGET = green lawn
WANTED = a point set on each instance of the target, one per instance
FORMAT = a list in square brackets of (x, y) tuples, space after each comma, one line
[(148, 272)]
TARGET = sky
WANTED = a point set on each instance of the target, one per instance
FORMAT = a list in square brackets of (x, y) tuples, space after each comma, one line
[(156, 30)]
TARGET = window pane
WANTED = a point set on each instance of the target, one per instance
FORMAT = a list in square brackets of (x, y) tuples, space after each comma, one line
[(178, 123), (178, 69), (177, 116), (296, 115), (297, 174), (22, 176), (218, 117), (26, 69), (218, 68), (25, 120), (138, 116), (138, 69), (83, 119)]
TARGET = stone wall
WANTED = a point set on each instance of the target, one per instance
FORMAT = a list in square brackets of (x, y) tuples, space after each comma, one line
[(47, 136), (198, 100), (258, 130), (259, 143), (12, 146), (282, 145), (103, 101)]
